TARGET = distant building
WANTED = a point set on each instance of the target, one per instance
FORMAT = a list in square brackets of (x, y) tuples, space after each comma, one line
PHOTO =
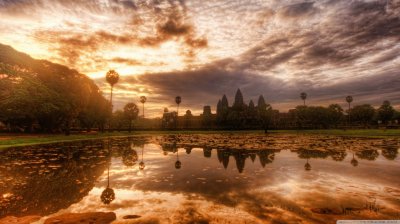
[(207, 119), (240, 115), (169, 119)]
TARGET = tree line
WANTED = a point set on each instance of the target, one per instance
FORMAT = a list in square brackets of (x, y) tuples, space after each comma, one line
[(334, 116)]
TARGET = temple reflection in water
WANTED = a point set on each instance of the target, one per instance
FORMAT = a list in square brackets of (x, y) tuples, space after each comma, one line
[(41, 180)]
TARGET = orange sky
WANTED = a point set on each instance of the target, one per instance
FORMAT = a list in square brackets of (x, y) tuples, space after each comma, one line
[(203, 49)]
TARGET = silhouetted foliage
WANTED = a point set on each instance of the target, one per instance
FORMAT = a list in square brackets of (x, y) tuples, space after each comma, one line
[(362, 114), (335, 115), (385, 112), (317, 117), (131, 112), (40, 95)]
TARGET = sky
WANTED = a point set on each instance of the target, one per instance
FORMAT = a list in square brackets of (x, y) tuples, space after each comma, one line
[(201, 50)]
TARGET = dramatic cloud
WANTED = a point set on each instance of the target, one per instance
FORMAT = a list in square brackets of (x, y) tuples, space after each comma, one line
[(201, 50), (299, 10)]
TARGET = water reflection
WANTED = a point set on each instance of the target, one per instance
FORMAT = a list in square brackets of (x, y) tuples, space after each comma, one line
[(389, 150), (307, 166), (108, 195), (264, 177), (178, 163), (141, 164), (40, 180), (354, 162)]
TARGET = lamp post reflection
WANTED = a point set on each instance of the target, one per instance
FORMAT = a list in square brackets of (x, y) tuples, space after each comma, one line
[(108, 195)]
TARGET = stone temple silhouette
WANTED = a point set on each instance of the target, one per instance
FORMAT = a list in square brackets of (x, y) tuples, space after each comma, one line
[(239, 115)]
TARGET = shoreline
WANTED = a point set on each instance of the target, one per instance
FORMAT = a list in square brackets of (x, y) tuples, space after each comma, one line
[(10, 140)]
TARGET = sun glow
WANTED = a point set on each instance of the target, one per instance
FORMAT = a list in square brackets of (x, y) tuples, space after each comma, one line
[(297, 45)]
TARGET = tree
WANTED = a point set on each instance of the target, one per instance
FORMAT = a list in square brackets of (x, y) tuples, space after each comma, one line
[(178, 101), (318, 117), (26, 100), (363, 114), (38, 94), (118, 120), (349, 99), (335, 114), (396, 116), (300, 115), (303, 96), (143, 100), (131, 112), (96, 112), (112, 77), (385, 112), (265, 115)]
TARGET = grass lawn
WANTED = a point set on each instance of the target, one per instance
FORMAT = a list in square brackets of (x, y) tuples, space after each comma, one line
[(372, 133), (9, 140)]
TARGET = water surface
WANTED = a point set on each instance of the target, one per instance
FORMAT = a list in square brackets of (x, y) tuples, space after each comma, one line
[(206, 179)]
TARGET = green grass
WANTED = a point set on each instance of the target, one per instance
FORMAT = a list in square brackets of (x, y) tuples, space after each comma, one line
[(7, 140), (371, 133), (23, 140), (10, 140)]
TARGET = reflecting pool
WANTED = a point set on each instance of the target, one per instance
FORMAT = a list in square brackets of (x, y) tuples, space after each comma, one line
[(210, 178)]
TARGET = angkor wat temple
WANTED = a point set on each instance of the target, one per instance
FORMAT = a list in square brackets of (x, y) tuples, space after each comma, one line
[(241, 115), (238, 116)]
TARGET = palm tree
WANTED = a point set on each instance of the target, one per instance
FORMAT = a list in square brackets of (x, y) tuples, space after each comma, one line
[(349, 99), (303, 96), (178, 101), (112, 78), (143, 100)]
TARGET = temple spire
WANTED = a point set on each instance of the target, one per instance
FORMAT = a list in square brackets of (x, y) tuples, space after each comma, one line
[(238, 99), (251, 104), (261, 101), (224, 102)]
